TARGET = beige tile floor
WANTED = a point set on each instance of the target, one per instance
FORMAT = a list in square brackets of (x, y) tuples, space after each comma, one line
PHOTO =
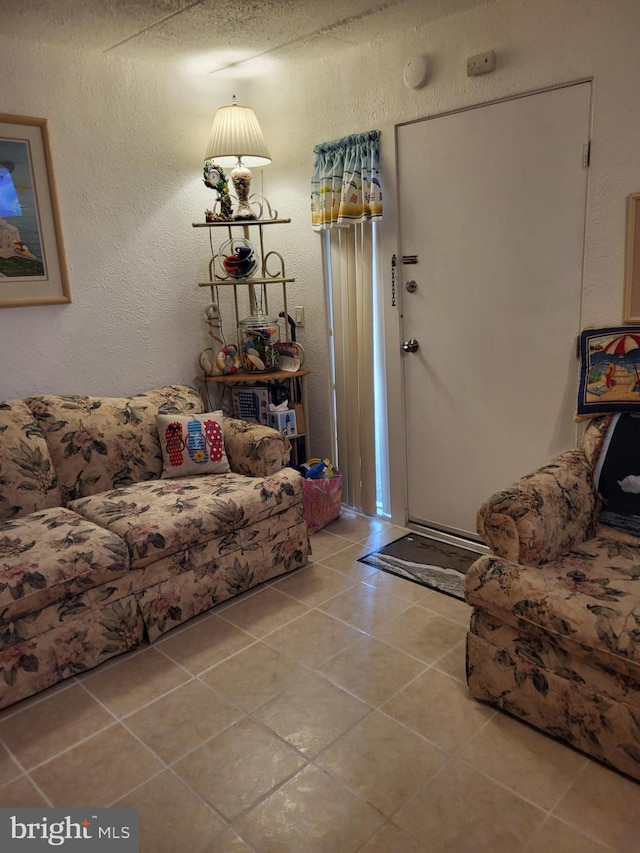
[(325, 711)]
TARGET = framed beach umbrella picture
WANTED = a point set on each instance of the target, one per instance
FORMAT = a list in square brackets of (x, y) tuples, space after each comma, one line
[(33, 268), (609, 371)]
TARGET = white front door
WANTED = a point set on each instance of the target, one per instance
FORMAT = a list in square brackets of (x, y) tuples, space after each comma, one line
[(492, 201)]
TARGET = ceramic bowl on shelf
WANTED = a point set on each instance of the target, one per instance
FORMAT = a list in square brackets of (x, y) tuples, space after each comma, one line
[(246, 268), (230, 264), (238, 258)]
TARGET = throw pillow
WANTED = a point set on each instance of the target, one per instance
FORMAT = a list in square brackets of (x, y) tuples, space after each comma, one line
[(192, 444), (609, 371)]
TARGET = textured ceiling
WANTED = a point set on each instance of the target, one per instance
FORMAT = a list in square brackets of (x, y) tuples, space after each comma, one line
[(230, 31)]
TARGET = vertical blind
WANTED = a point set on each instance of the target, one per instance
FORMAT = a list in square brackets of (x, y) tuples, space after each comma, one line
[(346, 197)]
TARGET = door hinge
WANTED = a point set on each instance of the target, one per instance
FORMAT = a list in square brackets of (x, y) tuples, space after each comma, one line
[(586, 154)]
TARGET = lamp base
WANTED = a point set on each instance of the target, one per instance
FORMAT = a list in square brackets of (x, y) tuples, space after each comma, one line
[(241, 178)]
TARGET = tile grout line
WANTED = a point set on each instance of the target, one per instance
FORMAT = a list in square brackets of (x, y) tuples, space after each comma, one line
[(165, 765), (226, 823), (25, 774)]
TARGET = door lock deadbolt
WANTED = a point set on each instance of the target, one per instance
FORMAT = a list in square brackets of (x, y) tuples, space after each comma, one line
[(411, 345), (411, 286)]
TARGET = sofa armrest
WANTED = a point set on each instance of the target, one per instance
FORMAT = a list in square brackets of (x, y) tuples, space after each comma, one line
[(253, 449), (544, 514)]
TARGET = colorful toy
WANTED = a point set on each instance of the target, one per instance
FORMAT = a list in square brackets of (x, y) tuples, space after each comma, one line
[(313, 469), (228, 360)]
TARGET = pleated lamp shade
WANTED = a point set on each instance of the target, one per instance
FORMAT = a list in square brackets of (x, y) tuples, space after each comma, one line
[(236, 134)]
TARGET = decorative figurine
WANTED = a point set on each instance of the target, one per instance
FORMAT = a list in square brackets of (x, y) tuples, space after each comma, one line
[(215, 179)]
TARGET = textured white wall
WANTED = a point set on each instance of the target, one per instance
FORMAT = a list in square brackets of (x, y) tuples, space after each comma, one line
[(127, 144), (539, 43)]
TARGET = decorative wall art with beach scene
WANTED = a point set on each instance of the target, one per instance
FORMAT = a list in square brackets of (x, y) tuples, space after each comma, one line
[(609, 371), (32, 261)]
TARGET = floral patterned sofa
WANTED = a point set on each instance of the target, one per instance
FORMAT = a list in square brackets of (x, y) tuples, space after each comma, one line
[(98, 551), (555, 628)]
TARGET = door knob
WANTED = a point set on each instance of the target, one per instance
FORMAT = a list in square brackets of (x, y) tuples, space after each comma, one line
[(411, 345)]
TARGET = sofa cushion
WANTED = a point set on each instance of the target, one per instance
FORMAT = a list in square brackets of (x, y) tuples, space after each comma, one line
[(49, 555), (589, 600), (161, 518), (192, 444), (100, 443), (27, 479), (271, 537)]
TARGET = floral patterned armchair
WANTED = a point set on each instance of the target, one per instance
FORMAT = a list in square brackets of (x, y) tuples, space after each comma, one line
[(555, 627), (98, 552)]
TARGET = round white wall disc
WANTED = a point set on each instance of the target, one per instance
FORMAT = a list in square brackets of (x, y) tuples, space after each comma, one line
[(416, 72)]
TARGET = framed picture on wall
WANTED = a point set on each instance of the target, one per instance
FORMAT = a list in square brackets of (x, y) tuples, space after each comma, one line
[(632, 261), (33, 268)]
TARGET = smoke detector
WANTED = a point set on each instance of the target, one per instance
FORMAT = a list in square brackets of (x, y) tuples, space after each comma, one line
[(416, 72)]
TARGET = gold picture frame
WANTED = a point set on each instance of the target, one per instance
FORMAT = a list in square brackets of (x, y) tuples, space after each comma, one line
[(632, 261), (33, 268)]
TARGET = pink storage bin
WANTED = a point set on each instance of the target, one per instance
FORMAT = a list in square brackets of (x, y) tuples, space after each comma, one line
[(322, 500)]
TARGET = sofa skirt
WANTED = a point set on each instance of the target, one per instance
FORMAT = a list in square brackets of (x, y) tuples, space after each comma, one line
[(64, 640), (562, 705), (207, 577)]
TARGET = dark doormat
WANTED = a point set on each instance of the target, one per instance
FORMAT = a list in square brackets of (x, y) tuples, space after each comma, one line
[(426, 561)]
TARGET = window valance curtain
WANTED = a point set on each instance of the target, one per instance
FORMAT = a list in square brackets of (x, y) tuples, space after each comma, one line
[(345, 186)]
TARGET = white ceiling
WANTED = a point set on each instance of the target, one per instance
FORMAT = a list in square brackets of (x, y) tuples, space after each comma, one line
[(227, 31)]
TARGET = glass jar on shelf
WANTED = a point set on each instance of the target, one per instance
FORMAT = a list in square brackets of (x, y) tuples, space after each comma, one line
[(258, 335)]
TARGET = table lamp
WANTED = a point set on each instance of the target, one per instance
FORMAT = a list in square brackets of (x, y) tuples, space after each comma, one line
[(236, 140)]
